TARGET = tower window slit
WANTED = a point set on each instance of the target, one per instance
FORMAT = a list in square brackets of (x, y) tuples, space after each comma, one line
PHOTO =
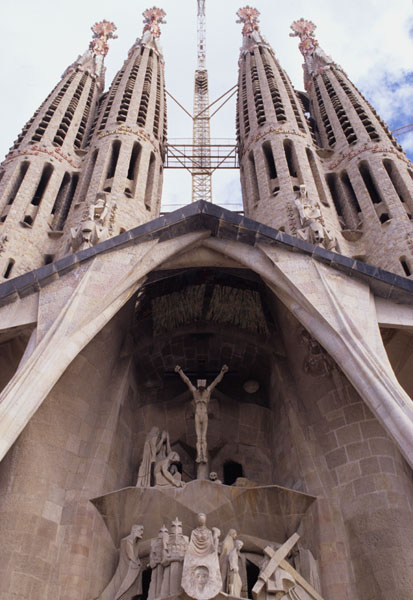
[(9, 268), (335, 193), (369, 183), (1, 175), (398, 183), (316, 176), (113, 161), (133, 163), (61, 193), (368, 125), (70, 111), (89, 173), (41, 188), (150, 182), (83, 123), (350, 193), (269, 159), (16, 185), (68, 201), (405, 266), (291, 158), (254, 179)]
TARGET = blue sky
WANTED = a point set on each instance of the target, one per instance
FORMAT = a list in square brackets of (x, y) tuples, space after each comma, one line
[(372, 40)]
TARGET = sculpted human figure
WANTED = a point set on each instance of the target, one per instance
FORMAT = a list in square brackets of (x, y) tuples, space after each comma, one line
[(201, 397), (312, 223), (163, 475), (234, 581), (156, 447), (227, 547), (127, 580), (201, 577), (92, 229)]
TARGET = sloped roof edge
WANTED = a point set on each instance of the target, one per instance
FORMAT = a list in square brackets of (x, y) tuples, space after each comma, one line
[(223, 224)]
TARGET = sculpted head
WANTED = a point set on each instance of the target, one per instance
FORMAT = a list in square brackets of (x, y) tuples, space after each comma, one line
[(238, 544), (201, 576), (201, 519), (232, 533), (137, 531), (201, 384)]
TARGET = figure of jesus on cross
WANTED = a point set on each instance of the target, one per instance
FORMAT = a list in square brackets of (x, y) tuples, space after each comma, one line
[(201, 397)]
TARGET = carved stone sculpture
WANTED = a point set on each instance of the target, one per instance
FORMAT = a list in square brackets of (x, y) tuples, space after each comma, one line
[(127, 580), (173, 561), (313, 228), (201, 397), (201, 577), (163, 475), (157, 558), (213, 476), (93, 228), (227, 547), (157, 447), (234, 581)]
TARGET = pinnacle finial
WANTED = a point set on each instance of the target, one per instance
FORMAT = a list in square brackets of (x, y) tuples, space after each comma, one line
[(250, 17), (102, 32), (304, 29), (152, 18)]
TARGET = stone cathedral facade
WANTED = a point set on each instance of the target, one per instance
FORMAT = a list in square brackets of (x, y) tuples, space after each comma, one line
[(204, 404)]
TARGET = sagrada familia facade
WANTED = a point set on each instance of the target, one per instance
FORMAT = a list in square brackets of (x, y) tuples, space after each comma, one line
[(205, 404)]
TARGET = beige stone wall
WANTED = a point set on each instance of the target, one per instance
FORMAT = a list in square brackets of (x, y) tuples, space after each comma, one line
[(330, 445)]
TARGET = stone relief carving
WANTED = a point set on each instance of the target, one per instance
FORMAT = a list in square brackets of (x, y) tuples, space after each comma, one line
[(93, 227), (234, 581), (201, 576), (213, 476), (201, 397), (127, 580), (166, 561), (317, 362), (159, 463), (313, 227), (227, 547)]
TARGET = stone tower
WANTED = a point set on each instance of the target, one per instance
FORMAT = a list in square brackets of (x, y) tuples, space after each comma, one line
[(280, 167), (205, 373), (369, 176), (122, 174), (39, 176)]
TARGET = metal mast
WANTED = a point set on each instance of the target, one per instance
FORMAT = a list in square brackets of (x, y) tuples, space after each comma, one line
[(201, 173)]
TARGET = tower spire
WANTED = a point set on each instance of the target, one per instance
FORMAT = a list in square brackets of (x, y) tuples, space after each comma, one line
[(201, 173)]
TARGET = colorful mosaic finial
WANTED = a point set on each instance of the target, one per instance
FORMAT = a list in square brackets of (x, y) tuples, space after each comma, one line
[(250, 17), (102, 32), (304, 29), (152, 18)]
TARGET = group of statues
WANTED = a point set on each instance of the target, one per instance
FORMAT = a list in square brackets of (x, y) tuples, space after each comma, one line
[(96, 224), (160, 465), (202, 567)]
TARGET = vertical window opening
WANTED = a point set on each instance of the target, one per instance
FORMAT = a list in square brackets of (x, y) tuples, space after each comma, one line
[(316, 177), (351, 195), (61, 193), (133, 163), (332, 184), (41, 188), (113, 161), (397, 181), (252, 576), (269, 157), (254, 179), (9, 268), (150, 182), (68, 201), (291, 158), (369, 183), (19, 180), (405, 266)]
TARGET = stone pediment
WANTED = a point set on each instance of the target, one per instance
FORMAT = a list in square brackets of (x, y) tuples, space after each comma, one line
[(224, 225), (266, 512)]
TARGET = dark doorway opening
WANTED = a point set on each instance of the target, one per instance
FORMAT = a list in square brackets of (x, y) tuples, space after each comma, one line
[(232, 470)]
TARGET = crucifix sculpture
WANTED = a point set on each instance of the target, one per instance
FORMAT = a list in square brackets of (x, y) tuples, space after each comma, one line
[(201, 396)]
